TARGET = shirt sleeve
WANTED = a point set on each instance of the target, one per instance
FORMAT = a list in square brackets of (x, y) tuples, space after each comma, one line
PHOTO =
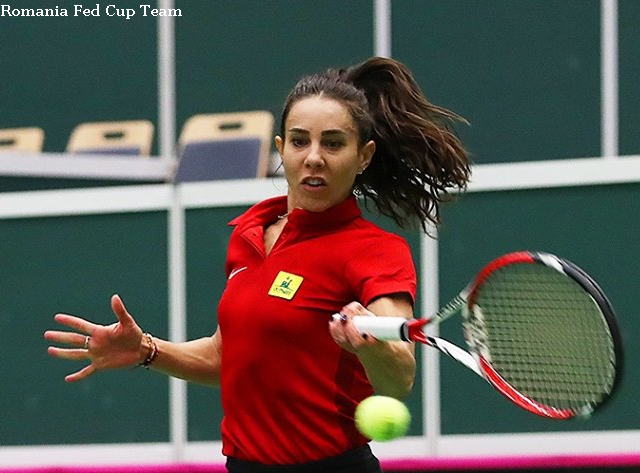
[(380, 266)]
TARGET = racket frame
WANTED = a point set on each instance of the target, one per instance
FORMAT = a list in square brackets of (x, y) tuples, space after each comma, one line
[(415, 330)]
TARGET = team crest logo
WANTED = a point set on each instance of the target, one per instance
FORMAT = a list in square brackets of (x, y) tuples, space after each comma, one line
[(285, 285)]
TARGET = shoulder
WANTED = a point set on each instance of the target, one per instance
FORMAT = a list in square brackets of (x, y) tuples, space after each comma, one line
[(370, 247), (368, 234), (378, 263)]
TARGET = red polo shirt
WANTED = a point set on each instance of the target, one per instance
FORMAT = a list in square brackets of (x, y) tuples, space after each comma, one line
[(288, 391)]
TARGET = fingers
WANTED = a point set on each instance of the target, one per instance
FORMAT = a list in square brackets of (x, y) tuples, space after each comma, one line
[(118, 308), (345, 333), (77, 323), (66, 338), (68, 353), (84, 334), (354, 308), (73, 354), (80, 375)]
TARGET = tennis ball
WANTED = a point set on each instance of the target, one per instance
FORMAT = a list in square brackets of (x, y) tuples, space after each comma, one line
[(382, 418)]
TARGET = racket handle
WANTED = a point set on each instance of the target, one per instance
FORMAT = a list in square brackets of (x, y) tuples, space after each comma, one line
[(383, 328)]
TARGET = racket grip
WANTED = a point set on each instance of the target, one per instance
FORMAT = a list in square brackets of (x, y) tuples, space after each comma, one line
[(383, 328)]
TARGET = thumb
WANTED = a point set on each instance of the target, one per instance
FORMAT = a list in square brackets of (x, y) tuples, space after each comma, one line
[(118, 308)]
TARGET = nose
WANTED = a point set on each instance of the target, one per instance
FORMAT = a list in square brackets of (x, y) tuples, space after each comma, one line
[(314, 159)]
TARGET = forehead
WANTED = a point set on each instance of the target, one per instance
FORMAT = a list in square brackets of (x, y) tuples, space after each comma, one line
[(320, 112)]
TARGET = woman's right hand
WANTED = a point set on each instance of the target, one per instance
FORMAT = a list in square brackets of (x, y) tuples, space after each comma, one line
[(118, 345)]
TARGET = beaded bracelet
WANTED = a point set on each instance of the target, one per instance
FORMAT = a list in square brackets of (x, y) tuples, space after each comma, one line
[(153, 351)]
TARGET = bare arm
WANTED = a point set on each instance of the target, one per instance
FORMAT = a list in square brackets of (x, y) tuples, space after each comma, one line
[(122, 345), (390, 366), (197, 361)]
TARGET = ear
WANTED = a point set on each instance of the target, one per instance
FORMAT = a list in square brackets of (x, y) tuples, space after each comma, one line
[(366, 154), (279, 144)]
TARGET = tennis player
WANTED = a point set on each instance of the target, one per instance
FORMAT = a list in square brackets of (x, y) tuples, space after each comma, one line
[(290, 376)]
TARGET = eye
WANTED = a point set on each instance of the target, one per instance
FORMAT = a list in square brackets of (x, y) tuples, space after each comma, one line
[(298, 142), (333, 145)]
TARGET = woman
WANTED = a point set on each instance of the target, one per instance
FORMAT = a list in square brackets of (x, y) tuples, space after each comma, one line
[(290, 375)]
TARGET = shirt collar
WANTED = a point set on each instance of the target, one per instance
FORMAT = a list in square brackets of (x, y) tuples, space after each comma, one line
[(269, 210)]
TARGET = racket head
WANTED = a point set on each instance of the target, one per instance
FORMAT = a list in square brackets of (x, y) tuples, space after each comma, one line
[(544, 334)]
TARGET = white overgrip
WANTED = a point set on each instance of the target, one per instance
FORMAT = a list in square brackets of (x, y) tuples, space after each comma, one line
[(383, 328)]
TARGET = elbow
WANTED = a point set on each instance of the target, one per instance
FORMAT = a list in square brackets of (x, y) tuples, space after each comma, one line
[(403, 389), (406, 380), (408, 387), (393, 375)]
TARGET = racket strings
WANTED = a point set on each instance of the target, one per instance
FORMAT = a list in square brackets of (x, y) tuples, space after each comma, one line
[(545, 336)]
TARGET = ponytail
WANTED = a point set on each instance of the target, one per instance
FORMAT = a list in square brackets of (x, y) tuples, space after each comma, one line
[(418, 157)]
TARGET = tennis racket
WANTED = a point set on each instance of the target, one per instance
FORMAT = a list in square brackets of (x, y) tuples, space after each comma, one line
[(537, 328)]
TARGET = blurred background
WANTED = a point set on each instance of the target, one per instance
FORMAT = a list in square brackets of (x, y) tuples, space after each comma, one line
[(541, 82), (525, 73)]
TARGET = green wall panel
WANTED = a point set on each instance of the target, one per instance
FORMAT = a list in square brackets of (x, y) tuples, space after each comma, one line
[(207, 235), (629, 71), (526, 75), (60, 71), (74, 265)]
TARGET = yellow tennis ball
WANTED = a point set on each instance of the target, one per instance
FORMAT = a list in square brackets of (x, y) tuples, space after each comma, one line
[(382, 418)]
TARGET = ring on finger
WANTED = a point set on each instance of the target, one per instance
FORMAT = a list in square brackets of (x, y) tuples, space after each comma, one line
[(86, 342)]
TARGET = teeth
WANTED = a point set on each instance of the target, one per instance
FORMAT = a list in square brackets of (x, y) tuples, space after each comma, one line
[(314, 182)]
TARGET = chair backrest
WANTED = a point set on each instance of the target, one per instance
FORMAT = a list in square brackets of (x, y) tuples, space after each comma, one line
[(225, 146), (28, 139), (128, 137)]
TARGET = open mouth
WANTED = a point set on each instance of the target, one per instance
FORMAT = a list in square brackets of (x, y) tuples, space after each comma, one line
[(313, 182)]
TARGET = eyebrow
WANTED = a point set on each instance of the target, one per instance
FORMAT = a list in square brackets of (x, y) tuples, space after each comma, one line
[(323, 133)]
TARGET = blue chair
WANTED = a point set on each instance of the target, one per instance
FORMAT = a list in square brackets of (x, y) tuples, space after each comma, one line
[(225, 146), (28, 139), (129, 138)]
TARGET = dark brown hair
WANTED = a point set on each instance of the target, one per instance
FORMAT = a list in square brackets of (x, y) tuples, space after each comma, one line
[(418, 158)]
